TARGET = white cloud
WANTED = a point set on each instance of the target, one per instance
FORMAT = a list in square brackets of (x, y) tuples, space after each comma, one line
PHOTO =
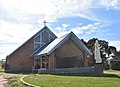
[(28, 6), (115, 43), (19, 19), (65, 25), (59, 31), (80, 29), (88, 29), (13, 35), (77, 30), (30, 11), (112, 4), (89, 26), (16, 30), (27, 10)]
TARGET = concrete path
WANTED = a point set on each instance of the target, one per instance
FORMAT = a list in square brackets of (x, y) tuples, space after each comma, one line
[(2, 80), (112, 72)]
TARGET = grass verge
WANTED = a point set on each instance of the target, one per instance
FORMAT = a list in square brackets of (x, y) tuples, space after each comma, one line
[(2, 70), (46, 80)]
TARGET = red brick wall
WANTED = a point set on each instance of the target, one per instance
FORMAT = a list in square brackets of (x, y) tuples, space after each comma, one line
[(20, 59), (69, 55), (86, 59), (68, 51), (52, 61)]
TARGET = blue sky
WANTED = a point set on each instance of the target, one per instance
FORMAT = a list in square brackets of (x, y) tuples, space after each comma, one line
[(20, 19)]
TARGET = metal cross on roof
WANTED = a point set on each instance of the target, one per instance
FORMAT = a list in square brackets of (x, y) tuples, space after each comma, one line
[(44, 22)]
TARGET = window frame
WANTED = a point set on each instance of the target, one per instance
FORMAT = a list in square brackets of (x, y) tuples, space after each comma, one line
[(41, 39)]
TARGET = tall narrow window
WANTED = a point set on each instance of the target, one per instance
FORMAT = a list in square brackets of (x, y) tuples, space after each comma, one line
[(51, 38), (45, 37), (42, 39), (37, 42)]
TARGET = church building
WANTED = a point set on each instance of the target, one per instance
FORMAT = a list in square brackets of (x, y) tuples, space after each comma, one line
[(45, 50)]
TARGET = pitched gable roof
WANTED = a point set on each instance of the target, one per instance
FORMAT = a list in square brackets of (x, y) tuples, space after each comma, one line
[(59, 41), (44, 28)]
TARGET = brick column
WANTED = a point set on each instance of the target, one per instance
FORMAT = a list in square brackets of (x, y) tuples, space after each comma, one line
[(99, 69), (52, 60), (85, 59)]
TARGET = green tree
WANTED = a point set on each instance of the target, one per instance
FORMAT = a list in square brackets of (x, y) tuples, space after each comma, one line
[(105, 49), (84, 41), (90, 44)]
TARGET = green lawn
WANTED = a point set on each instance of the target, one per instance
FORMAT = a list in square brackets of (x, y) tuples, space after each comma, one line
[(46, 80), (1, 70)]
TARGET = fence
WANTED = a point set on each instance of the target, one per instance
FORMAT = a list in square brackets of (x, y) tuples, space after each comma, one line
[(85, 70)]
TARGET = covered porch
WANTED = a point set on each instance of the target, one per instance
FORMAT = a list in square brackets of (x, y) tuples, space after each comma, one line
[(64, 52), (41, 62)]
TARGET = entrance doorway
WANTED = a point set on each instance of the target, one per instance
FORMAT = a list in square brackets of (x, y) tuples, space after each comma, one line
[(45, 63), (37, 63), (42, 62)]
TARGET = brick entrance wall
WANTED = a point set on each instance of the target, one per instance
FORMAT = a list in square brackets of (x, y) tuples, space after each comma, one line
[(52, 60)]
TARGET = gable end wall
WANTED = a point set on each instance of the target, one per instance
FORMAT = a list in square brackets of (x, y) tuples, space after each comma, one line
[(20, 59)]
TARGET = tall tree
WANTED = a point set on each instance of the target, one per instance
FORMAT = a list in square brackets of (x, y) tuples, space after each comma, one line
[(105, 49), (90, 44), (84, 41), (111, 49)]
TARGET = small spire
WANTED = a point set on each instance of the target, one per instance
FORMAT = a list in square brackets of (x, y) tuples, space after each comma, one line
[(44, 22)]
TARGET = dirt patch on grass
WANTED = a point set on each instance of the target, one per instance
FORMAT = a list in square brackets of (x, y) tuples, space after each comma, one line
[(11, 80), (3, 81), (112, 72)]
